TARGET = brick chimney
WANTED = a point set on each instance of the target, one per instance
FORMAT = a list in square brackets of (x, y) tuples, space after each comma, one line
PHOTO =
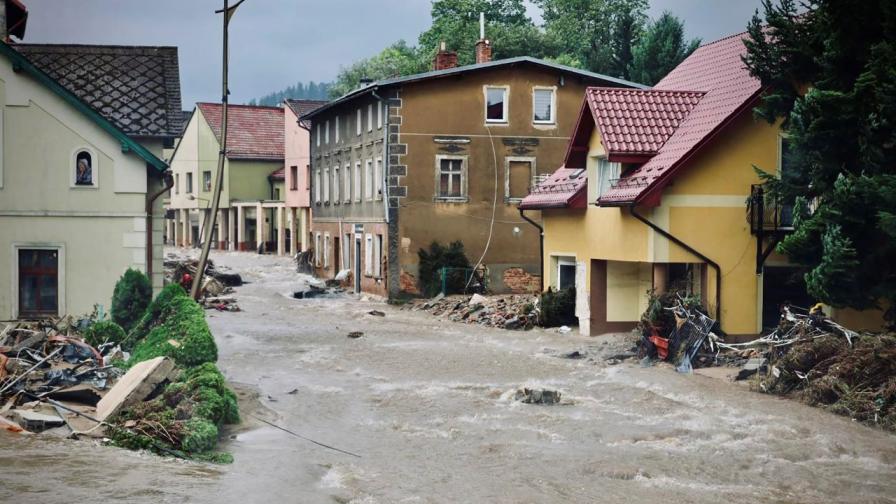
[(483, 47), (444, 59)]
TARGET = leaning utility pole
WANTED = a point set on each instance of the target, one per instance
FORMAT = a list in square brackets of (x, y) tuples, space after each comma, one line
[(216, 198)]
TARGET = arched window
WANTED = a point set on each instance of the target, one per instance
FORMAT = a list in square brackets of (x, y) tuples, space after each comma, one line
[(84, 169)]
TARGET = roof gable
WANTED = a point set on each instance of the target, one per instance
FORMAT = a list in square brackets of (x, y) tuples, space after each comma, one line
[(253, 132), (22, 63), (135, 87), (565, 188)]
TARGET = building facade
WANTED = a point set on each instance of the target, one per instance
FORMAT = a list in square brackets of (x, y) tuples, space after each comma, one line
[(441, 156), (297, 171)]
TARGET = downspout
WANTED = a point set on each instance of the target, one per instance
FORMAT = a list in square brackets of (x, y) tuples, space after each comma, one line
[(540, 248), (168, 181), (690, 249)]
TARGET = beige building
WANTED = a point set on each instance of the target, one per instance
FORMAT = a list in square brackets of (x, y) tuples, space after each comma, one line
[(80, 163), (252, 213)]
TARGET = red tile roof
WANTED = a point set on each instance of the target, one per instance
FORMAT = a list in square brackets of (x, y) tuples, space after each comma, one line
[(636, 122), (252, 132), (565, 188), (278, 174), (716, 70)]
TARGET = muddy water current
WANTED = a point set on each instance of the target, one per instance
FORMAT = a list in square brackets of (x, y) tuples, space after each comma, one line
[(429, 407)]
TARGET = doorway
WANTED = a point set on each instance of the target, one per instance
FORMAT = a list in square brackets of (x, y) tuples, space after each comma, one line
[(357, 273), (337, 263), (38, 283)]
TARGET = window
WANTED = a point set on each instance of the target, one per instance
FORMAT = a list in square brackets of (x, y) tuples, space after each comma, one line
[(496, 104), (347, 180), (317, 249), (307, 177), (566, 273), (38, 282), (190, 183), (378, 260), (337, 129), (451, 177), (543, 106), (368, 180), (206, 180), (357, 186), (326, 188), (346, 251), (317, 186), (176, 183), (84, 169), (336, 182), (327, 132), (317, 134), (519, 173), (607, 174), (276, 194), (369, 117), (294, 178), (379, 115), (378, 179), (358, 126), (368, 254), (326, 250)]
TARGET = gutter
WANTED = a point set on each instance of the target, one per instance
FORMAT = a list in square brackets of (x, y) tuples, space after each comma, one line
[(692, 250), (168, 180), (540, 248)]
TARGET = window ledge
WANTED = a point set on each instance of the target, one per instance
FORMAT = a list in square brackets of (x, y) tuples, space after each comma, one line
[(440, 199), (496, 123)]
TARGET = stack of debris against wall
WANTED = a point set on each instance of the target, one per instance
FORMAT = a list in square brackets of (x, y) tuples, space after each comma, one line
[(505, 311), (217, 285)]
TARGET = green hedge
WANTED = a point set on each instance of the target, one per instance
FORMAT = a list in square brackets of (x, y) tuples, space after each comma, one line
[(132, 294)]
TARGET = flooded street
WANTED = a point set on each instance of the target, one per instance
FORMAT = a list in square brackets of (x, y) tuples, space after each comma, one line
[(429, 407)]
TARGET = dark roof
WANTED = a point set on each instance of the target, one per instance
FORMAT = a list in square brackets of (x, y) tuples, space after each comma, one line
[(25, 65), (135, 87), (253, 132), (715, 70), (520, 60), (302, 107), (565, 188)]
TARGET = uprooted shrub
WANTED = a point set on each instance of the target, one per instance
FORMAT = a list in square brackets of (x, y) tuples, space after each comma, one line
[(104, 331), (133, 293), (437, 257), (174, 326), (184, 419), (558, 308)]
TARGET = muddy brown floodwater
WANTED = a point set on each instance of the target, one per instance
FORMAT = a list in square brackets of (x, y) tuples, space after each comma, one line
[(428, 405)]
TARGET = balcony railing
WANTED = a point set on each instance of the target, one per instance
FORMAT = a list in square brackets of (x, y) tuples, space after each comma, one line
[(767, 212)]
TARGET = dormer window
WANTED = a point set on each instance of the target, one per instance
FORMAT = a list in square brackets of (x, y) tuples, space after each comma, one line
[(84, 169)]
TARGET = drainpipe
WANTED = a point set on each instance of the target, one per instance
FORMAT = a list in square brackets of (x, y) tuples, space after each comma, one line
[(540, 248), (690, 249), (168, 181)]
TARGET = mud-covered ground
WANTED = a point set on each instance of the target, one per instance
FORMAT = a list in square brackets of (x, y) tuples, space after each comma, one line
[(429, 407)]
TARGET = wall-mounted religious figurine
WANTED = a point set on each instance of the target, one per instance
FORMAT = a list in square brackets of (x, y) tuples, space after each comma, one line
[(84, 169)]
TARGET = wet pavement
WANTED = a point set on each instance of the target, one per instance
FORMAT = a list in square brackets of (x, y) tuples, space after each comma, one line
[(429, 407)]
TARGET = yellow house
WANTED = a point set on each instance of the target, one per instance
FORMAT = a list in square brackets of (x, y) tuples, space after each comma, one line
[(654, 195)]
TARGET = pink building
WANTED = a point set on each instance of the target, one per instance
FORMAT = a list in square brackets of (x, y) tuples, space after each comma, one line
[(297, 167)]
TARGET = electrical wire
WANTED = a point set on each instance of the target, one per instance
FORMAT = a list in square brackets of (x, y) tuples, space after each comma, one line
[(491, 226)]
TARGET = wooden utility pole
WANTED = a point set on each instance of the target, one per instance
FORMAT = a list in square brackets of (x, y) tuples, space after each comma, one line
[(228, 12)]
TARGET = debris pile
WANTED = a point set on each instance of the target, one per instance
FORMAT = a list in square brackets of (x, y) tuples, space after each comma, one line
[(514, 311), (317, 291), (678, 330), (217, 285), (537, 396)]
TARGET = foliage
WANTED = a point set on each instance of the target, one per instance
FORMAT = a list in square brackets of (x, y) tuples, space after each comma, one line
[(132, 294), (178, 330), (660, 49), (154, 312), (393, 61), (841, 154), (104, 331), (558, 308), (299, 91), (437, 257)]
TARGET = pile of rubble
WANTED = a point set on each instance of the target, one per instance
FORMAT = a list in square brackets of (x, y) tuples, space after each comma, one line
[(52, 380), (217, 285), (513, 311)]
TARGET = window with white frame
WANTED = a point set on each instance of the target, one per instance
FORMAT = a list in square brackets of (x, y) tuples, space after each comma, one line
[(378, 259), (378, 179), (317, 249), (607, 174), (566, 273), (451, 177), (337, 129), (346, 251), (496, 104), (368, 254), (379, 115), (336, 184), (326, 250), (317, 134), (327, 132), (357, 187), (369, 117), (368, 180), (358, 125), (347, 183), (518, 176), (317, 186), (543, 105), (326, 187)]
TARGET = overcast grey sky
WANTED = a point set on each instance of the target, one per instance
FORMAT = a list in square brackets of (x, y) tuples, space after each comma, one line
[(276, 43)]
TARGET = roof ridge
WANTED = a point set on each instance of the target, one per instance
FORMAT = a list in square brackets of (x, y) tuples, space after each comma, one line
[(716, 41), (97, 46), (648, 90), (242, 105)]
